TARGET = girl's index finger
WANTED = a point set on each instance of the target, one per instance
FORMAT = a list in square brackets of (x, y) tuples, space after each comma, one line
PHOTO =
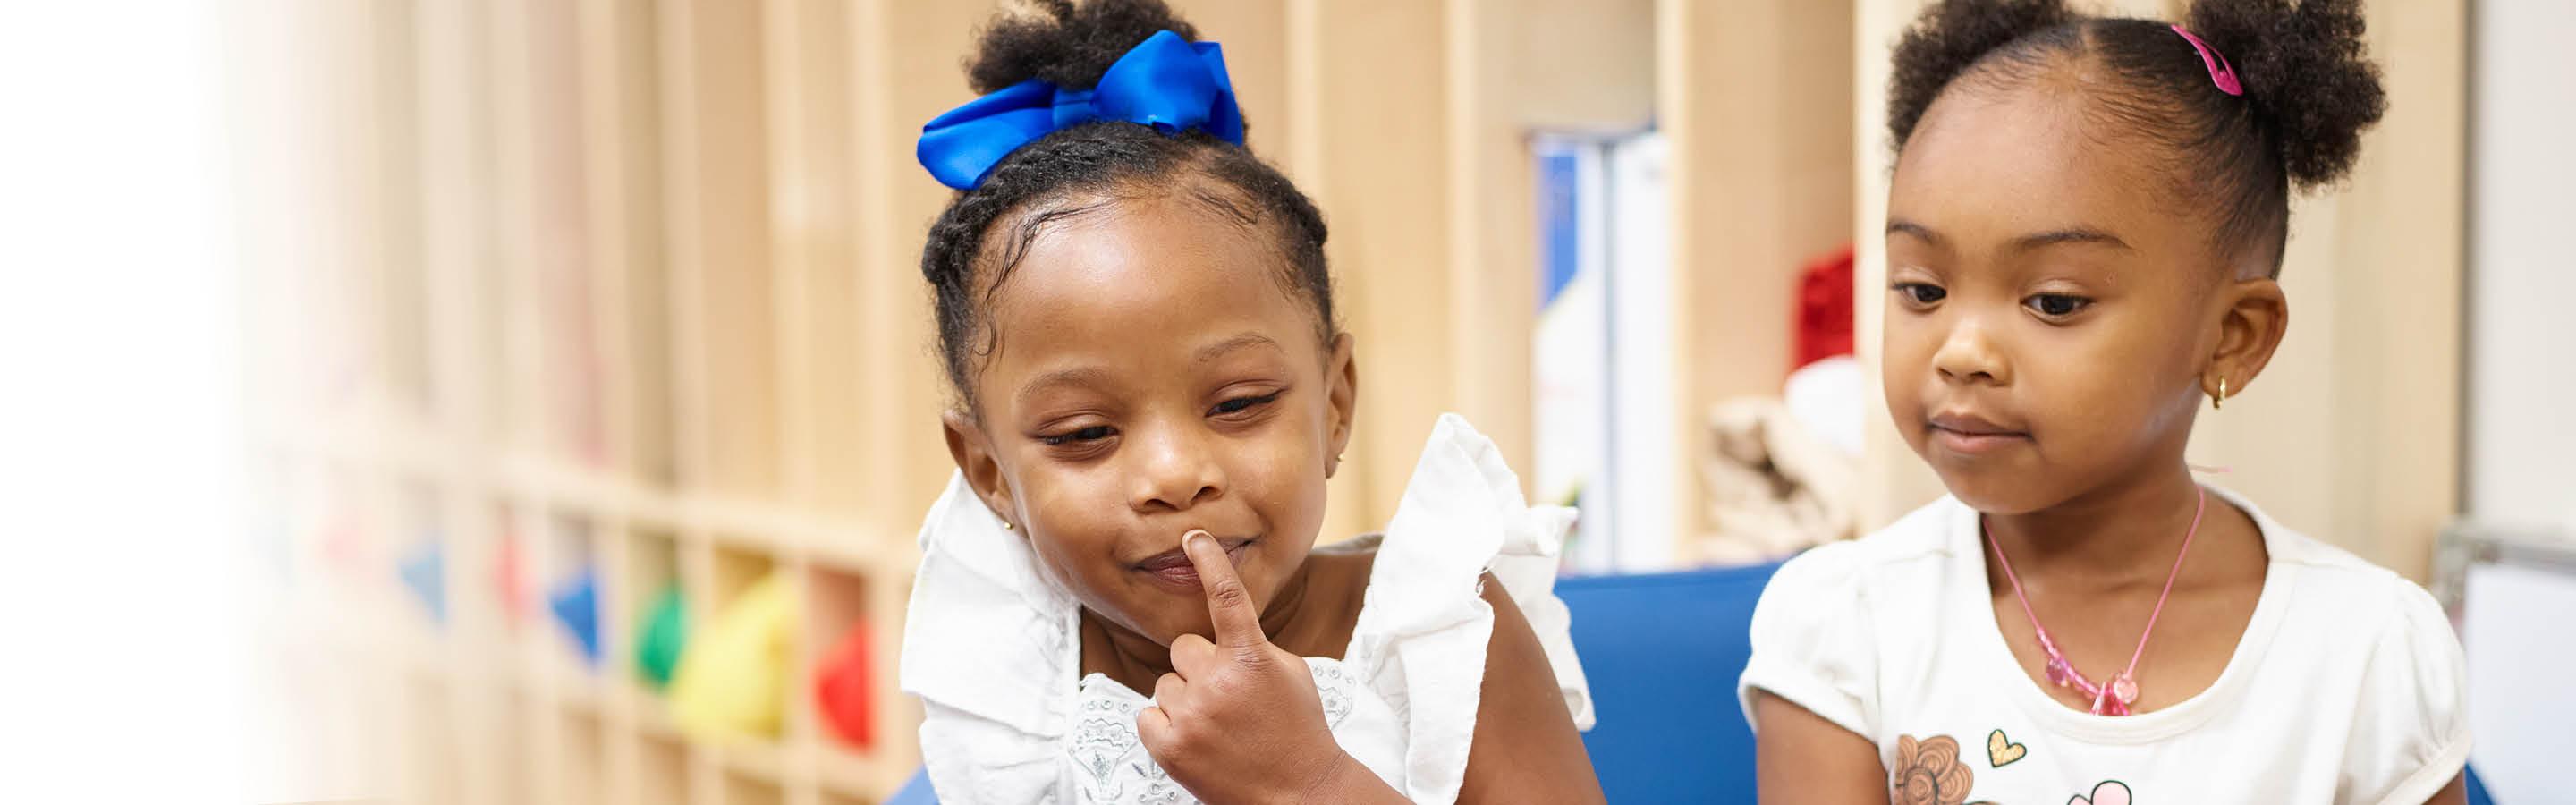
[(1229, 604)]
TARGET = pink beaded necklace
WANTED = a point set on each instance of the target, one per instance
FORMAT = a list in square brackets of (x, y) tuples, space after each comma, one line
[(2111, 699)]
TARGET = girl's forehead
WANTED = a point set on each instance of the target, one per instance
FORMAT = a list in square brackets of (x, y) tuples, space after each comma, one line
[(2001, 162), (1127, 260), (1142, 282)]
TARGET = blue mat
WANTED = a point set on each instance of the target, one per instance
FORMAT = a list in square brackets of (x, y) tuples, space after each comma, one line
[(1662, 652)]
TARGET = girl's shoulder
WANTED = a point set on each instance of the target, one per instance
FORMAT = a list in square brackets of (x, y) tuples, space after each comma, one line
[(1906, 559), (2340, 598), (1339, 574), (1363, 546), (1835, 618), (2351, 610), (2366, 642), (1336, 587)]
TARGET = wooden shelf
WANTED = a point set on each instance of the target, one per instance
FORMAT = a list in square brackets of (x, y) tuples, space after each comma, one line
[(753, 759), (612, 333), (639, 294)]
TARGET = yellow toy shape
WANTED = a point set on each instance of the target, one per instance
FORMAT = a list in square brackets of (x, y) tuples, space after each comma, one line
[(732, 679)]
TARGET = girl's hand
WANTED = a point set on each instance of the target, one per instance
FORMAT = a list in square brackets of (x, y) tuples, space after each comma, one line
[(1238, 721)]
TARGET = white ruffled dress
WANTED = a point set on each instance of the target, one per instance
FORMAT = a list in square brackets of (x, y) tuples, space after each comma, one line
[(990, 645)]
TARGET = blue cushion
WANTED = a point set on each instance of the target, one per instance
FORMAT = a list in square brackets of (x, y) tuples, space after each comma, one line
[(2477, 788), (1662, 652), (915, 791)]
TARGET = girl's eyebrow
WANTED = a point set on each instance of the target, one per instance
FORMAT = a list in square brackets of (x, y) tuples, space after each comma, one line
[(2078, 234), (1897, 226), (1080, 377), (1094, 377), (2037, 240), (1219, 349)]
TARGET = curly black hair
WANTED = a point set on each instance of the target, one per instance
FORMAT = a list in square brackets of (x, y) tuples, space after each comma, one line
[(2309, 91), (984, 231)]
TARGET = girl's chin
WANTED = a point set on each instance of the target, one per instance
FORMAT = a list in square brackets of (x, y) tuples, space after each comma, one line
[(1998, 493)]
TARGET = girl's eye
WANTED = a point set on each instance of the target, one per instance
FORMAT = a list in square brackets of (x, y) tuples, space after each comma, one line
[(1090, 434), (2056, 305), (1241, 404), (1921, 293)]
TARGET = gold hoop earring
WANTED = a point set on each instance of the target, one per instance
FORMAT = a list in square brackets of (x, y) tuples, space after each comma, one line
[(2218, 400)]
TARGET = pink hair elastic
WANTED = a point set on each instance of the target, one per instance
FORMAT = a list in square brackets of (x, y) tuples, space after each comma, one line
[(2220, 72)]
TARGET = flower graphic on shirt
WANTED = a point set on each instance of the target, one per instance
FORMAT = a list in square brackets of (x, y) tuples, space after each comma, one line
[(1928, 772), (1332, 688)]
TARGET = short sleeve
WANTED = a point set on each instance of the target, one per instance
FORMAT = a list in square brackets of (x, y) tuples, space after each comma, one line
[(2411, 731), (1813, 641)]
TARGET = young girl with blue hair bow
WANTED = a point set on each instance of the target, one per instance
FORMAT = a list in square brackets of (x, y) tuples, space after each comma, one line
[(1119, 597)]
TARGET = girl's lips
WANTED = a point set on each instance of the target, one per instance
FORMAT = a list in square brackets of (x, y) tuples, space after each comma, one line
[(1974, 443), (1969, 434), (1172, 568)]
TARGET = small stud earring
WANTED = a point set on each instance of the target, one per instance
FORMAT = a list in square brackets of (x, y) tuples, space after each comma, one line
[(1006, 525)]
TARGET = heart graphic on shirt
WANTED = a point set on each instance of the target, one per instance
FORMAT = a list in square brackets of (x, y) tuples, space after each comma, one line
[(2110, 792), (2001, 751)]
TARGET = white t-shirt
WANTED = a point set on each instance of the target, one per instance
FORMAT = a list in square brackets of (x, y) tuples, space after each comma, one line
[(2347, 686)]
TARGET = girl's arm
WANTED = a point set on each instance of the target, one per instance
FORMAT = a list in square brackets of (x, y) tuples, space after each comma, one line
[(1799, 757), (2457, 793), (1526, 748)]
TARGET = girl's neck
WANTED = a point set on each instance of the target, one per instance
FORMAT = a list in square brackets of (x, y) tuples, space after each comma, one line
[(1136, 661), (2122, 532)]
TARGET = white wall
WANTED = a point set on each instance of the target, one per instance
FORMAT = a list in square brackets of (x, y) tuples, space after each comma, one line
[(121, 415), (2521, 462), (2521, 453)]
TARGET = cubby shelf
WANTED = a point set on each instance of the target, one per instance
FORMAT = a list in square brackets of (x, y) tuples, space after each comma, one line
[(631, 290)]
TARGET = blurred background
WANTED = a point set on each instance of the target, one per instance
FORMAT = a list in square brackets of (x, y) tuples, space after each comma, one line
[(534, 400)]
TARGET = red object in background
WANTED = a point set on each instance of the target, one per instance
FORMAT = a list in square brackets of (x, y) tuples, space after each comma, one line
[(509, 574), (841, 687), (342, 546), (1824, 309)]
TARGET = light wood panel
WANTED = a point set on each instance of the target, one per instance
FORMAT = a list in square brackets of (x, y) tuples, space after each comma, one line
[(1380, 171), (1750, 97), (723, 281)]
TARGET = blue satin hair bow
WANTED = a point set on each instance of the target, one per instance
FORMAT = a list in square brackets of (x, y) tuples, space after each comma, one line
[(1166, 82)]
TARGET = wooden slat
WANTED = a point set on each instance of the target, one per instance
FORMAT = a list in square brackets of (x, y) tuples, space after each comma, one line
[(824, 439), (622, 123), (559, 236), (722, 295), (1254, 34), (1761, 182), (906, 54), (1356, 68)]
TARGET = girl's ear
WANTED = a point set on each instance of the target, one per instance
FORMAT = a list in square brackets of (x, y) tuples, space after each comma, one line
[(973, 452), (2250, 327), (1342, 373)]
